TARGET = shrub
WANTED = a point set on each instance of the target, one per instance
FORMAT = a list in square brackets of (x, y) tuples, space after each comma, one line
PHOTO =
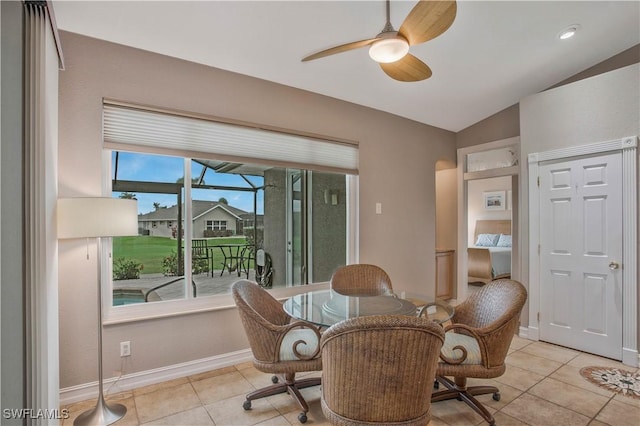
[(170, 265), (199, 266), (208, 233), (126, 269)]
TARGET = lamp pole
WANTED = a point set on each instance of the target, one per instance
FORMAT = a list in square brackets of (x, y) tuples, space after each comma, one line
[(102, 413)]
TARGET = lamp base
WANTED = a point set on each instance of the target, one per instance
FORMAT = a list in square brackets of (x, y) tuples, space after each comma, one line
[(102, 414)]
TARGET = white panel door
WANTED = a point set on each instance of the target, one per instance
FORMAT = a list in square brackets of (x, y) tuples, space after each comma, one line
[(580, 252)]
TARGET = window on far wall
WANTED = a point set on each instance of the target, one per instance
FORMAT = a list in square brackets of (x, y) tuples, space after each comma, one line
[(153, 267), (216, 225), (272, 196)]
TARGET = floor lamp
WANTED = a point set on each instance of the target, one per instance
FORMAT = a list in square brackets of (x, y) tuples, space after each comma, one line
[(96, 218)]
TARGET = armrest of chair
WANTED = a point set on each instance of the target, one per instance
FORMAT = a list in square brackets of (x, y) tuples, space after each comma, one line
[(475, 346), (298, 340)]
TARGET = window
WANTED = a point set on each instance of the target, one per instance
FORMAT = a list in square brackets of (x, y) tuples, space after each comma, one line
[(220, 210), (216, 225), (303, 231), (492, 159)]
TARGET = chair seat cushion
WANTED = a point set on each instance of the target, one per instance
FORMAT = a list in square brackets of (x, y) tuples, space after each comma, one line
[(308, 346), (452, 340)]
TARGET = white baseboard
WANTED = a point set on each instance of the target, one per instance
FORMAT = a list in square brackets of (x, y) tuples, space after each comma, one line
[(524, 333), (143, 378), (533, 333), (630, 357)]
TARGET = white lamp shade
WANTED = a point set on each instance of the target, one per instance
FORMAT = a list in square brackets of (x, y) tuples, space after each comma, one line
[(97, 217)]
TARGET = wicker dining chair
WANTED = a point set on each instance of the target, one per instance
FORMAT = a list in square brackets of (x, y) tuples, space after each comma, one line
[(380, 370), (362, 280), (279, 345), (477, 341)]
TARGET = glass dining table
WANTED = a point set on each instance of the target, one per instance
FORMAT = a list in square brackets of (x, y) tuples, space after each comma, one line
[(328, 307)]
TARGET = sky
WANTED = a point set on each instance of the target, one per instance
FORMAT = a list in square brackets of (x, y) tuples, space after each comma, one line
[(160, 168)]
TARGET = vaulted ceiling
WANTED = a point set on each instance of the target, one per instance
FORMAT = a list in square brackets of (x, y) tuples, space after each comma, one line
[(494, 54)]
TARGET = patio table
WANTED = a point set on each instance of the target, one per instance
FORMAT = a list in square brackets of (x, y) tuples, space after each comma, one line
[(233, 261)]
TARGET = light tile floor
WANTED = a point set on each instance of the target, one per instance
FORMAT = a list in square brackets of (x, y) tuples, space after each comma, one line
[(542, 386)]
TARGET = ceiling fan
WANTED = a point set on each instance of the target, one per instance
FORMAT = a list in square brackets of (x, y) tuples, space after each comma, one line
[(427, 20)]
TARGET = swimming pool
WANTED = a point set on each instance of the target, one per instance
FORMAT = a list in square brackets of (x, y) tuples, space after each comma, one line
[(123, 296)]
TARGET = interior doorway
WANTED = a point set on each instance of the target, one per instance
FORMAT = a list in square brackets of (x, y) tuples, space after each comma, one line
[(487, 261), (488, 182)]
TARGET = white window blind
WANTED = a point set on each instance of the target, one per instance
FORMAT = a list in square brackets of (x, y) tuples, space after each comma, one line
[(131, 126)]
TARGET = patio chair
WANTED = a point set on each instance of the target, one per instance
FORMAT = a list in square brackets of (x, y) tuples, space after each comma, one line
[(200, 252), (477, 341), (380, 370), (362, 280), (279, 345)]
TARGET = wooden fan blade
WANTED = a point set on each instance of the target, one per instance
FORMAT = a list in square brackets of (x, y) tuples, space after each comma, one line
[(427, 20), (340, 49), (409, 68)]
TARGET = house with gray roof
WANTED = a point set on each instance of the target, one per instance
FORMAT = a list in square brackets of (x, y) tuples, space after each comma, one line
[(210, 219)]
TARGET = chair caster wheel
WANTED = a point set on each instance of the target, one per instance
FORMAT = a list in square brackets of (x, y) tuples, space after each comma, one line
[(246, 405), (274, 379), (302, 417), (496, 396)]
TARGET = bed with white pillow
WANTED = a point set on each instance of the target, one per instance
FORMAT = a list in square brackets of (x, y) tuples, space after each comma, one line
[(490, 257)]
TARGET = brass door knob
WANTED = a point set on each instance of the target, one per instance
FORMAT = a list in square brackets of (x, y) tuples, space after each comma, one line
[(614, 265)]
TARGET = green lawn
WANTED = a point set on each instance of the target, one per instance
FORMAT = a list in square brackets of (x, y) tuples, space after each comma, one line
[(150, 251)]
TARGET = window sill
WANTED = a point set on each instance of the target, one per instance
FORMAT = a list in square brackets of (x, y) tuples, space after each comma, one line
[(171, 308)]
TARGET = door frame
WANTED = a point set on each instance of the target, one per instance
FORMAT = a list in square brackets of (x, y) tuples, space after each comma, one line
[(628, 147), (305, 226)]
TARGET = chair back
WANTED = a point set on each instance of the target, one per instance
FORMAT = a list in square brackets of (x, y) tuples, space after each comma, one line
[(361, 279), (497, 301), (495, 310), (380, 369), (261, 315), (199, 249)]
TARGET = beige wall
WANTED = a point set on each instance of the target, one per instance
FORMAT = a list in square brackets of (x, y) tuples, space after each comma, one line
[(502, 125), (397, 169)]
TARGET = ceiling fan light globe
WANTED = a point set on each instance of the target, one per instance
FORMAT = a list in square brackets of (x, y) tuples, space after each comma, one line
[(389, 50)]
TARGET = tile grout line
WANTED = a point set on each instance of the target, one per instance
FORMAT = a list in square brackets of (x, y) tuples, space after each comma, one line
[(609, 398)]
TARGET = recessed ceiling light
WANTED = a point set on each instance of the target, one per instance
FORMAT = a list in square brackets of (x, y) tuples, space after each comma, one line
[(568, 32)]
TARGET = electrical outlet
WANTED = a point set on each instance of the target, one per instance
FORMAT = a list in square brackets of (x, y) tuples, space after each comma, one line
[(125, 348)]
